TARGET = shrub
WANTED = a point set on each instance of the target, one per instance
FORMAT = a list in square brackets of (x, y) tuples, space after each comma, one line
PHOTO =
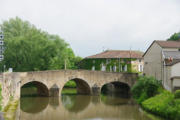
[(177, 94), (162, 105), (70, 84), (145, 88)]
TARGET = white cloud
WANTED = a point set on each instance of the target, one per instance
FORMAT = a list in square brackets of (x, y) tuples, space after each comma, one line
[(90, 25)]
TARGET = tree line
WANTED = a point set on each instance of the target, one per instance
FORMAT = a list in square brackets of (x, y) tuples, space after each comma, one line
[(28, 48)]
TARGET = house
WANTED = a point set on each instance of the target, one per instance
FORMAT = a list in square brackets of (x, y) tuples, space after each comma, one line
[(162, 60), (114, 61)]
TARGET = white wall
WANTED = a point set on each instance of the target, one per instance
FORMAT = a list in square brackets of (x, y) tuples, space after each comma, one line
[(175, 70)]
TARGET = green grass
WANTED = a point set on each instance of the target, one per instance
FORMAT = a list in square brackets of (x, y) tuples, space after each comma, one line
[(70, 84), (69, 91), (9, 110), (164, 105)]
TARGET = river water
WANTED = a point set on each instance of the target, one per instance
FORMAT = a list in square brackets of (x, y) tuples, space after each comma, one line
[(78, 107)]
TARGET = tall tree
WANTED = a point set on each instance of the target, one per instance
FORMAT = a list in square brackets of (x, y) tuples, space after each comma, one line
[(29, 49), (174, 37)]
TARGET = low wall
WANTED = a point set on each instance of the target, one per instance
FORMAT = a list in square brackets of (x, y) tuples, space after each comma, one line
[(10, 88)]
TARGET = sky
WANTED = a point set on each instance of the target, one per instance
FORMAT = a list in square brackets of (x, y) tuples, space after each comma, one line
[(91, 26)]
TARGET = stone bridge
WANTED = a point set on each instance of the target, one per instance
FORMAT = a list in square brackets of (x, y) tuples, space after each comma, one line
[(51, 83)]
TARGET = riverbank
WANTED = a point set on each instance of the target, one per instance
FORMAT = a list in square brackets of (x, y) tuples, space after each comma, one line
[(9, 110), (164, 104), (150, 95)]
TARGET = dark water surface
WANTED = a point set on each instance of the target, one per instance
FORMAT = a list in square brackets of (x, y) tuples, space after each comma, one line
[(78, 107)]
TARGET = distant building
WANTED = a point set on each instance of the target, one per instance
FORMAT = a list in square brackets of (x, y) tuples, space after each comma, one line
[(114, 61), (1, 45), (162, 60)]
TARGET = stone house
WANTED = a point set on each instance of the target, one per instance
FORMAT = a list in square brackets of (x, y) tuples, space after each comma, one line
[(114, 61), (161, 60)]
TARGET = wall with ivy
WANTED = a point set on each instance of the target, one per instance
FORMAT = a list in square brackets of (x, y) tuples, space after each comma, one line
[(109, 63)]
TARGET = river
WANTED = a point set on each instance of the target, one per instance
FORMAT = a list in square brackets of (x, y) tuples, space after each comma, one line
[(79, 107)]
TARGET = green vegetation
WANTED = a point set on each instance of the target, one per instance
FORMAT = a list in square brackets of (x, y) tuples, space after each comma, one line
[(177, 94), (175, 37), (30, 49), (69, 88), (110, 63), (70, 84), (164, 105), (9, 110), (150, 95), (0, 97), (69, 91), (145, 88)]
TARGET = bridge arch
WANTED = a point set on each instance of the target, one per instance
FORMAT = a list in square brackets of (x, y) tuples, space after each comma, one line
[(82, 86), (34, 88), (116, 88)]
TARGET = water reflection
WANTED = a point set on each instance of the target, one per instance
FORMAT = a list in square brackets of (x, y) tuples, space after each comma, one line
[(33, 104), (79, 107), (75, 103)]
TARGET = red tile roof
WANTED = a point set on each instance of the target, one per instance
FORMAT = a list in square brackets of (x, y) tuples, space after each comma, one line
[(117, 54), (168, 44)]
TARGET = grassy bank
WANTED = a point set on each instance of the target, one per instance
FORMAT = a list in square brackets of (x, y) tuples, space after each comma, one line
[(149, 93), (165, 105), (9, 110), (69, 91)]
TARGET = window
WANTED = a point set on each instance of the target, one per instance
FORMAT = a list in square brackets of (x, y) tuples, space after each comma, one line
[(1, 36), (1, 42), (108, 61), (103, 67), (124, 68), (140, 67), (114, 68), (93, 68)]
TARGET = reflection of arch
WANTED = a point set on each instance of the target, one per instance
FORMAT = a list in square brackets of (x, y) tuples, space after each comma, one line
[(82, 86), (116, 89), (33, 104), (34, 88), (110, 100), (75, 103)]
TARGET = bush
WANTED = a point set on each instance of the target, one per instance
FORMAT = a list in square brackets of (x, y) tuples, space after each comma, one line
[(163, 105), (177, 94), (70, 84), (145, 88)]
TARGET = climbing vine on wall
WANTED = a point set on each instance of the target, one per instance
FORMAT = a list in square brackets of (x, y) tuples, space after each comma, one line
[(109, 63)]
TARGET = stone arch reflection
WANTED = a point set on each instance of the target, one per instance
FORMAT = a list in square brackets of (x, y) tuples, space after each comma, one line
[(75, 103), (33, 104), (34, 88)]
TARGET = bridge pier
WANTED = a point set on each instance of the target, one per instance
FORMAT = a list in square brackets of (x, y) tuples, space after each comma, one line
[(54, 91), (95, 90)]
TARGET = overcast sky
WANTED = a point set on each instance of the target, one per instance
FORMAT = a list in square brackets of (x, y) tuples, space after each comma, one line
[(90, 26)]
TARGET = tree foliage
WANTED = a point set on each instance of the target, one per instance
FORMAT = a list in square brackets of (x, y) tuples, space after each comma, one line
[(175, 37), (145, 88), (30, 49)]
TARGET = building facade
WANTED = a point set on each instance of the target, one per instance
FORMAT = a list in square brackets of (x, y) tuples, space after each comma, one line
[(114, 61), (1, 45), (161, 61)]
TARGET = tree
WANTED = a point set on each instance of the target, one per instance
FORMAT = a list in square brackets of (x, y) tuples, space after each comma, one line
[(175, 37), (29, 49)]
